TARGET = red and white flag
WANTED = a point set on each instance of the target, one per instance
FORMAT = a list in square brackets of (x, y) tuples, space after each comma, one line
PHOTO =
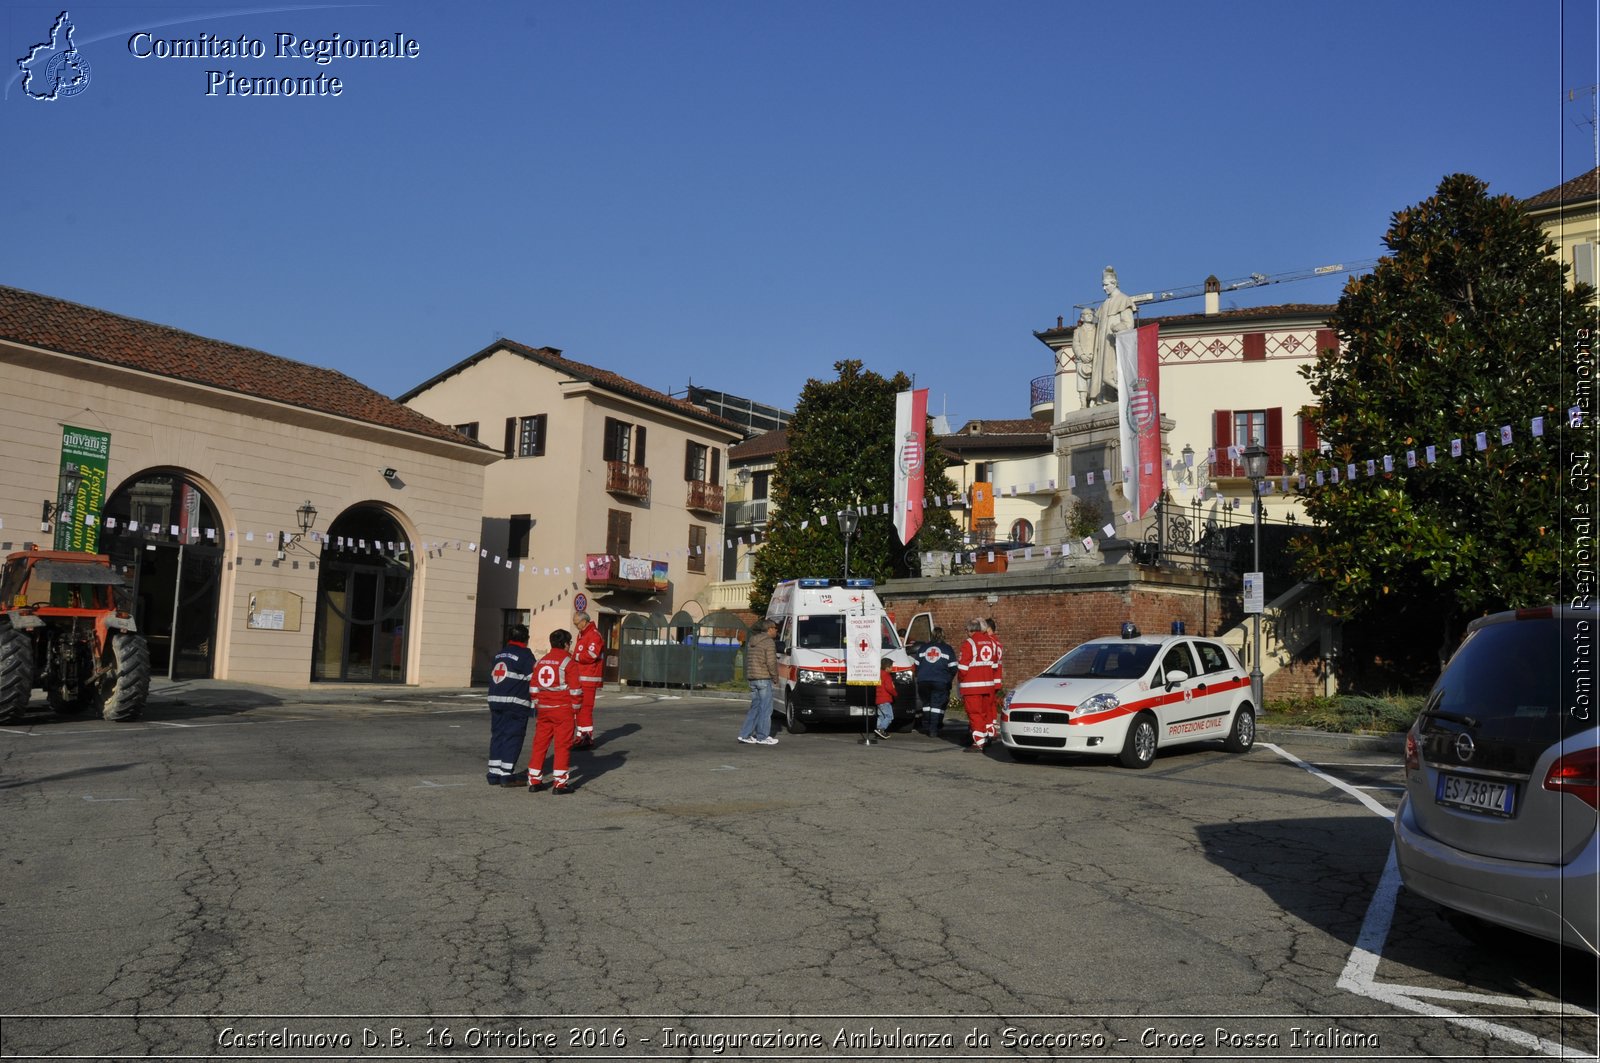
[(1139, 409), (910, 459)]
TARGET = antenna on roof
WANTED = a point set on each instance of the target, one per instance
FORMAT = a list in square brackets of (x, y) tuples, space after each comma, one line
[(1593, 118)]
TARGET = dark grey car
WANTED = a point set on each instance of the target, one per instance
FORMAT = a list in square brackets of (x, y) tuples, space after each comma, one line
[(1500, 811)]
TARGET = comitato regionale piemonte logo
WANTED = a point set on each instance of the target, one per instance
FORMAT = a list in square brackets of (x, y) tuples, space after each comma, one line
[(55, 69)]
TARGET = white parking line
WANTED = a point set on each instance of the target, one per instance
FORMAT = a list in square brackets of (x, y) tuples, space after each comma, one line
[(1331, 781), (1361, 970)]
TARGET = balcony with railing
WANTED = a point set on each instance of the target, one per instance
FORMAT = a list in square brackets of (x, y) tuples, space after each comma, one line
[(1042, 397), (625, 573), (1279, 461), (704, 497), (625, 479), (749, 514)]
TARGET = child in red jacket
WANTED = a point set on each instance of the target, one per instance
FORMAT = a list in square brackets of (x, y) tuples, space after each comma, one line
[(885, 697)]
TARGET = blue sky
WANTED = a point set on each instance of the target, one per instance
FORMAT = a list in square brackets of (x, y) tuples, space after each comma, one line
[(740, 194)]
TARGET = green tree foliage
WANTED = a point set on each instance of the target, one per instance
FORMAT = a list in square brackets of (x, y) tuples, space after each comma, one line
[(1465, 326), (841, 448)]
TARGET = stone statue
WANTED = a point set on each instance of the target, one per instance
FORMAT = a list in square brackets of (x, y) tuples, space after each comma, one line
[(1115, 315), (1084, 353)]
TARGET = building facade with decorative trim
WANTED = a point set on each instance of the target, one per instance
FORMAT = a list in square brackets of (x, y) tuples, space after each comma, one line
[(274, 522)]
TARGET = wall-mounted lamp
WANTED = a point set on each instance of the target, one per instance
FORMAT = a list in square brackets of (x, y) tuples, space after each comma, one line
[(306, 516), (743, 475), (390, 474)]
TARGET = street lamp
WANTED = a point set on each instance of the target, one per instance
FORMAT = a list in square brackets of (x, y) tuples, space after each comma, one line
[(849, 520), (1255, 468)]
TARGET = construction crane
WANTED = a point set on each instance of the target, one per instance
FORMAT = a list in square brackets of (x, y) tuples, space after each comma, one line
[(1253, 280)]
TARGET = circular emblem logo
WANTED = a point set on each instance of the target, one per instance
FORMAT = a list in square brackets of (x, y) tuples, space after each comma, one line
[(547, 675), (499, 672), (910, 454), (1464, 747), (67, 74)]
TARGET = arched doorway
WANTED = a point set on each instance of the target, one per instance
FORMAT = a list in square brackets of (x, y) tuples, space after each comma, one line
[(162, 529), (363, 600)]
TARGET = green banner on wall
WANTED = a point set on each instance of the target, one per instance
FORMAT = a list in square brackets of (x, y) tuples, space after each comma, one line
[(81, 490)]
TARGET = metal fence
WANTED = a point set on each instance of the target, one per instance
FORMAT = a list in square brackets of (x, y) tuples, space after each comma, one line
[(681, 651)]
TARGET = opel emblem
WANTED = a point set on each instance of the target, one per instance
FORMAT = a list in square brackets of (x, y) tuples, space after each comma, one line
[(1464, 747)]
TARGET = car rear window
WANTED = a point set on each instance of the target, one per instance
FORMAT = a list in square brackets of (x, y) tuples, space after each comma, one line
[(1105, 660), (1519, 682)]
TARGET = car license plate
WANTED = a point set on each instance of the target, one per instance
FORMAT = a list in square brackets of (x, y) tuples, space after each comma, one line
[(1030, 728), (1476, 795)]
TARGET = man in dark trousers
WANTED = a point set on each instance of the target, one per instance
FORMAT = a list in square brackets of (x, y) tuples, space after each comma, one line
[(509, 702), (936, 669)]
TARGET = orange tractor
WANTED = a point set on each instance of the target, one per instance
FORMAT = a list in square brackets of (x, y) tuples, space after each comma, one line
[(61, 629)]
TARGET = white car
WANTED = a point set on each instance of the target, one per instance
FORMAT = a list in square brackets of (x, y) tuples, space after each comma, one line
[(1126, 697)]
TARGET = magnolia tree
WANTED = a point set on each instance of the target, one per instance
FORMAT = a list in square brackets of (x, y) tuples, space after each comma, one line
[(841, 446), (1466, 326)]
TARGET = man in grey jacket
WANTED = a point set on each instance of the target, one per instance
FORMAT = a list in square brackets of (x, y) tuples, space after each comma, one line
[(760, 668)]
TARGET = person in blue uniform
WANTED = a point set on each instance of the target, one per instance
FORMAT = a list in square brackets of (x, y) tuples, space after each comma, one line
[(509, 703), (936, 670)]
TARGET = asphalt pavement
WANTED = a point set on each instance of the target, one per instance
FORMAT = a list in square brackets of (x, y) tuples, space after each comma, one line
[(253, 873)]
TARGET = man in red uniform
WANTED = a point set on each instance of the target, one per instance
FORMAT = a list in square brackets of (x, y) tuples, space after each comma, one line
[(993, 632), (589, 653), (555, 697), (978, 672)]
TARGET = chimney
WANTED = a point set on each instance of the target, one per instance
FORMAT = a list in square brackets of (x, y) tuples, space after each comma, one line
[(1213, 294)]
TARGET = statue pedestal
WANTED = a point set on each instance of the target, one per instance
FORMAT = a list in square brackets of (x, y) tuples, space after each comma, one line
[(1088, 444)]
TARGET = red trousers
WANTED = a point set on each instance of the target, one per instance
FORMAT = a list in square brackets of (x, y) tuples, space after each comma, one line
[(586, 706), (554, 728), (981, 713)]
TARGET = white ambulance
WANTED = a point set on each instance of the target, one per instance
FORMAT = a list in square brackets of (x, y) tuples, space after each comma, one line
[(811, 615)]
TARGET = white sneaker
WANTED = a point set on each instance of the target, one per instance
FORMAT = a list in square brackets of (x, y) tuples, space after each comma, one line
[(750, 740), (767, 741)]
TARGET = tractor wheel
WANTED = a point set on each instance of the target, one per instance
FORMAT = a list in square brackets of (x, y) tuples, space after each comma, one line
[(16, 672), (124, 695)]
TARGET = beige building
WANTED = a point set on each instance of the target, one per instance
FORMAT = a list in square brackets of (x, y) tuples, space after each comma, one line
[(608, 493), (275, 522), (1570, 214), (1228, 378)]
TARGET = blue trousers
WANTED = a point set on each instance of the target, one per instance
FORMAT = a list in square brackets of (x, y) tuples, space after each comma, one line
[(508, 726), (758, 721)]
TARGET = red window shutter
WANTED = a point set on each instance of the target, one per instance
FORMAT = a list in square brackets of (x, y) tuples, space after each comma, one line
[(1308, 432), (1222, 437), (511, 436), (1275, 441), (1255, 346), (1327, 340)]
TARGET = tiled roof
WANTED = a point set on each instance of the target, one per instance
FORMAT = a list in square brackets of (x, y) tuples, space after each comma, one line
[(605, 378), (1247, 313), (111, 339), (992, 427), (1583, 187), (764, 445)]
